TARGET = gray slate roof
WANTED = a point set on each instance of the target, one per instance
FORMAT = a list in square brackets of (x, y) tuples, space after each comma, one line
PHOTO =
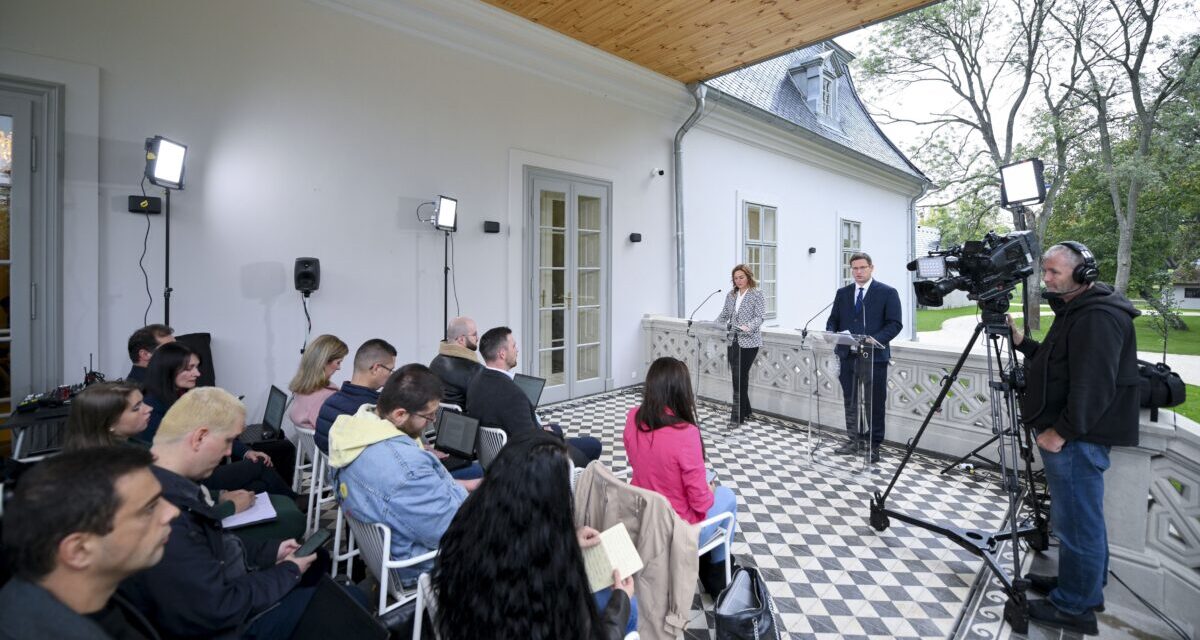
[(767, 88)]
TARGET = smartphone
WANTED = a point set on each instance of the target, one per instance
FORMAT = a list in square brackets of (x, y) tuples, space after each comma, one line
[(310, 546)]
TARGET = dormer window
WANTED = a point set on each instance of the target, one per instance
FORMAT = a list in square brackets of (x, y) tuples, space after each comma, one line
[(817, 81)]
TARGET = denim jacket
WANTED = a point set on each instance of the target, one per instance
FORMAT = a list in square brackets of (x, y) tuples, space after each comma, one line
[(385, 476)]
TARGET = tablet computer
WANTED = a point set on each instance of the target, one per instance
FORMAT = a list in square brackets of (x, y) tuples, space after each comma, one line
[(457, 434), (532, 386)]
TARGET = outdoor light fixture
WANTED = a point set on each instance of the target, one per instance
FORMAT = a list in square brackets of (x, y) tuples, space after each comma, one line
[(164, 167), (1021, 183), (164, 162), (445, 217)]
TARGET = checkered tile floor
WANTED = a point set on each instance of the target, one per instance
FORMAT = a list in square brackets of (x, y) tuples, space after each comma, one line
[(805, 526)]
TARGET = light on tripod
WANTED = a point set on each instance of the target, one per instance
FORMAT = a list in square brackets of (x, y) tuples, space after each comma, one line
[(445, 218), (931, 267), (164, 162), (1021, 183)]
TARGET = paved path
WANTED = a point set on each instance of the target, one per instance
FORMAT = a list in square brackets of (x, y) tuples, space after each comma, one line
[(957, 331)]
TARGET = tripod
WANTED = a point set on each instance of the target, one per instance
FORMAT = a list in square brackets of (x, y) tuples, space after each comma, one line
[(1002, 385)]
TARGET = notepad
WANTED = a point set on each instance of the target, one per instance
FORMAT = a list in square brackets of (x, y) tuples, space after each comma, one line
[(615, 551), (261, 511)]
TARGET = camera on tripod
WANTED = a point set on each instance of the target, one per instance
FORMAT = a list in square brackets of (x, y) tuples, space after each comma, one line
[(988, 270)]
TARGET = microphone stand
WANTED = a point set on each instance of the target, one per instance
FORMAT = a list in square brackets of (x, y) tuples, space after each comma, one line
[(804, 331), (696, 388), (695, 311)]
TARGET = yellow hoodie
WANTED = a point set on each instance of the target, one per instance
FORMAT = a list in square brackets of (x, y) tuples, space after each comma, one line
[(351, 434)]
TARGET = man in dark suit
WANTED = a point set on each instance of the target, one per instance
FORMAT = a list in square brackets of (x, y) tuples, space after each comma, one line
[(866, 307), (496, 401)]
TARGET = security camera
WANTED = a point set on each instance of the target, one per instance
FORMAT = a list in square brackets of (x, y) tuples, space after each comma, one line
[(654, 173)]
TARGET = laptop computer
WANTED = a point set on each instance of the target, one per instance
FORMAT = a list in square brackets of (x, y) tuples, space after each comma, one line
[(457, 434), (532, 387), (271, 426)]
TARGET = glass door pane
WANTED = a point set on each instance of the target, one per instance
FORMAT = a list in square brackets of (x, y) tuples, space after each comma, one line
[(6, 171), (553, 297), (588, 273)]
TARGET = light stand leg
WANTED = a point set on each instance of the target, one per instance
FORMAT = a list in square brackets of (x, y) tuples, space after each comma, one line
[(167, 261), (446, 287)]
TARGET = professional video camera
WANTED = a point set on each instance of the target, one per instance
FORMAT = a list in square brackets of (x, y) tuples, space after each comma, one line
[(987, 270)]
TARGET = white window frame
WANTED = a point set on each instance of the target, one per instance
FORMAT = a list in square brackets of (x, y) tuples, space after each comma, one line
[(828, 94), (761, 246), (848, 246)]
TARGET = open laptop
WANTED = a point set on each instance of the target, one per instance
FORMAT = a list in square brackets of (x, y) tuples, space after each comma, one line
[(271, 426), (532, 387), (457, 434)]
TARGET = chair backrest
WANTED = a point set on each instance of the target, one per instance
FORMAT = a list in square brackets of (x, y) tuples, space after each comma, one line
[(374, 544), (491, 441), (427, 598)]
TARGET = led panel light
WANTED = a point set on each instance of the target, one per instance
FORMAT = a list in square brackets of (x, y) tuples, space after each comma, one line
[(164, 162), (1022, 183), (446, 218)]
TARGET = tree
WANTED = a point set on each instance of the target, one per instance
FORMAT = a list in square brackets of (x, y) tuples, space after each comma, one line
[(986, 53), (1114, 47)]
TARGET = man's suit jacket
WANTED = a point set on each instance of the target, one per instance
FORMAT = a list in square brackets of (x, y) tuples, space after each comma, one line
[(880, 317), (496, 401)]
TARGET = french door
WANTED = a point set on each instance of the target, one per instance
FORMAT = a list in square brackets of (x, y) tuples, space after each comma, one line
[(568, 326), (16, 287)]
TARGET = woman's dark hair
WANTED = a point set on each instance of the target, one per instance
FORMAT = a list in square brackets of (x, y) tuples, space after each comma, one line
[(510, 561), (168, 360), (668, 386), (93, 411)]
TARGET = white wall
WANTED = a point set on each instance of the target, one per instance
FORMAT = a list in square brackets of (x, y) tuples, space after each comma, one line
[(316, 133), (810, 198)]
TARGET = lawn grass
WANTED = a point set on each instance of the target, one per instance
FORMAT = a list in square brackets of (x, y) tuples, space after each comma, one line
[(932, 319), (1186, 343), (1191, 407)]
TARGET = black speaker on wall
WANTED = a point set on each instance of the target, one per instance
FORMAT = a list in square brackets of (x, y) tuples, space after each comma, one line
[(308, 275)]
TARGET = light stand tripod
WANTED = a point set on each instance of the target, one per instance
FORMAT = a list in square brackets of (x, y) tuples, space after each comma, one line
[(1002, 385)]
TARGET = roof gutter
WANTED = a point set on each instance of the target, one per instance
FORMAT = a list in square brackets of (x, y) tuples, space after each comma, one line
[(699, 91)]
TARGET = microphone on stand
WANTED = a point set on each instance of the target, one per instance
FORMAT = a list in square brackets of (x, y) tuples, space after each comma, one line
[(697, 309), (804, 331)]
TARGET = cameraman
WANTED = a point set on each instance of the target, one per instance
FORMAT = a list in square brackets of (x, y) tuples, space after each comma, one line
[(1081, 400)]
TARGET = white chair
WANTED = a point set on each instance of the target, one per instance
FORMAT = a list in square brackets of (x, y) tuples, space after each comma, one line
[(491, 441), (722, 536), (426, 599), (375, 546), (322, 492), (306, 448)]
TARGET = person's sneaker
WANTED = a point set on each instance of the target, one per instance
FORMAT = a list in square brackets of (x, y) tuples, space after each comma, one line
[(1044, 584), (1044, 612)]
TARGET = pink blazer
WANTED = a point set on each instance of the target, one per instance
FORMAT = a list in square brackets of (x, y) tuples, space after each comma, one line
[(670, 461)]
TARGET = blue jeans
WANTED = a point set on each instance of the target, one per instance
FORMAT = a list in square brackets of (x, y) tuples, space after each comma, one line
[(1075, 476), (724, 501)]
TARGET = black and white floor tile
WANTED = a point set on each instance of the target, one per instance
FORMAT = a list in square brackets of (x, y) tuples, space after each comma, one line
[(805, 526)]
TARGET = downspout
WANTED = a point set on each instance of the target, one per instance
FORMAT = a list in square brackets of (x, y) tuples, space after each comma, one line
[(698, 93), (912, 251)]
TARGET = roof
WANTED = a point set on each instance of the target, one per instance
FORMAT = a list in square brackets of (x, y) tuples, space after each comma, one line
[(768, 88), (690, 40)]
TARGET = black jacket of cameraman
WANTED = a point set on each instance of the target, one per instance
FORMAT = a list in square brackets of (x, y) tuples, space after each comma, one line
[(1083, 379)]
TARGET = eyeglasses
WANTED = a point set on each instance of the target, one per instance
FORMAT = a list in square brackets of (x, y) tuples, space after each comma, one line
[(427, 417), (384, 366)]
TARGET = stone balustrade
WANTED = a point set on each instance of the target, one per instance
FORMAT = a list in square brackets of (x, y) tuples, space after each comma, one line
[(1152, 499)]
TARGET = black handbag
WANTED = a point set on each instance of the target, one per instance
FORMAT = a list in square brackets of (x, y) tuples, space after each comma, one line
[(745, 609), (1160, 387)]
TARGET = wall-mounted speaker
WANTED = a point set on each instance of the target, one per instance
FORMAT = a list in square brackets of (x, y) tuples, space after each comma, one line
[(308, 275)]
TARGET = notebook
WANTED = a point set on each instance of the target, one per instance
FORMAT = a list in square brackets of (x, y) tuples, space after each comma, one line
[(615, 551), (261, 511), (456, 434), (531, 386)]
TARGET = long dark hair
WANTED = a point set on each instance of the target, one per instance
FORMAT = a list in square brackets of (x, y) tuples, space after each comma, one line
[(668, 386), (93, 411), (510, 561), (166, 363)]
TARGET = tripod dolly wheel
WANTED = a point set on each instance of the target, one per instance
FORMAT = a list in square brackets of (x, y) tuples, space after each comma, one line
[(879, 519)]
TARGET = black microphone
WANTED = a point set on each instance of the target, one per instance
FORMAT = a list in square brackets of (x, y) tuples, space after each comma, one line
[(701, 305), (804, 331)]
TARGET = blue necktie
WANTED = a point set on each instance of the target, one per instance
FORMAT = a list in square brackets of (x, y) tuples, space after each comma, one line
[(858, 303)]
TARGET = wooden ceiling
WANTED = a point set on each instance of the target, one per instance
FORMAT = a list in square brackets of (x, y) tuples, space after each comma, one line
[(692, 40)]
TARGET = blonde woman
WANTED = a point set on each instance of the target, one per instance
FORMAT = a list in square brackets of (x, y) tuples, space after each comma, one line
[(312, 386), (745, 308)]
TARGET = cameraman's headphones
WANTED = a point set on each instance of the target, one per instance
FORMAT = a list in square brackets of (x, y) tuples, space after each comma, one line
[(1085, 272)]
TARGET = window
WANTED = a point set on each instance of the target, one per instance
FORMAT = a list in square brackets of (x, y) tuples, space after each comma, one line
[(827, 95), (760, 249), (1191, 292), (851, 244)]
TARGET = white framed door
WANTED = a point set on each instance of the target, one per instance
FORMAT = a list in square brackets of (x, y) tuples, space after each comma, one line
[(17, 288), (567, 323)]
